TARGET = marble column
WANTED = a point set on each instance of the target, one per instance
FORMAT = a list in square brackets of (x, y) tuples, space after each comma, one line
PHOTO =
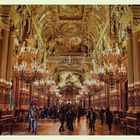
[(10, 54), (89, 100), (30, 91), (21, 96), (16, 94), (136, 64), (107, 95), (130, 71), (120, 96)]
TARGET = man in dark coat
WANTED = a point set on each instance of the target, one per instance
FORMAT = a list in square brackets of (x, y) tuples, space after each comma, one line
[(102, 115), (92, 118), (109, 119), (62, 118), (70, 119)]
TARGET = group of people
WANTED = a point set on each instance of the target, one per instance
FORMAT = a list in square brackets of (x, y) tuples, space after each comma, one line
[(67, 115), (50, 112), (105, 116)]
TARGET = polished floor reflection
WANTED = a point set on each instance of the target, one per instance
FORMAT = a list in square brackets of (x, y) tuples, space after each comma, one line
[(51, 127)]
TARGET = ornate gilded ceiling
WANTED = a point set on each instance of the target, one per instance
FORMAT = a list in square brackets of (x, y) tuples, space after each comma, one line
[(70, 12), (66, 22), (68, 37), (70, 30)]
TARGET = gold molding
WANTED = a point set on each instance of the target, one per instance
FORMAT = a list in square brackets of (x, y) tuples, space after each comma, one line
[(105, 28), (126, 18), (14, 15), (36, 28), (136, 28)]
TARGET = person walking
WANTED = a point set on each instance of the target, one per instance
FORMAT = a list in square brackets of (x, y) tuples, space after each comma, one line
[(92, 118), (87, 116), (78, 114), (102, 115), (69, 120), (62, 119), (109, 119)]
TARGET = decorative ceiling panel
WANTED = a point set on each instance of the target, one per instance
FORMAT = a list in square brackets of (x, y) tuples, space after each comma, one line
[(70, 12), (70, 29)]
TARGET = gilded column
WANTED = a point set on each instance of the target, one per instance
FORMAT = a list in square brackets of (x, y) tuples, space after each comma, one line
[(0, 49), (4, 49), (136, 64), (1, 81), (130, 71)]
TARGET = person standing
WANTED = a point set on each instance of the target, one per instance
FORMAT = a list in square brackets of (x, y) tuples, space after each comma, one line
[(102, 115), (30, 116), (92, 118), (109, 119), (87, 116), (42, 113), (34, 114)]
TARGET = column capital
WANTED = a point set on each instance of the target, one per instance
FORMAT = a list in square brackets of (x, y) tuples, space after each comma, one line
[(6, 21)]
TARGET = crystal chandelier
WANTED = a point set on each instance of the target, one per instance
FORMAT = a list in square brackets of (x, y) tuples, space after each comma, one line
[(94, 85), (28, 52), (112, 74), (26, 72), (112, 70), (112, 53)]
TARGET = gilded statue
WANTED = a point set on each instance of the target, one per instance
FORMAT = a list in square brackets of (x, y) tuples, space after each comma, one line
[(25, 22)]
